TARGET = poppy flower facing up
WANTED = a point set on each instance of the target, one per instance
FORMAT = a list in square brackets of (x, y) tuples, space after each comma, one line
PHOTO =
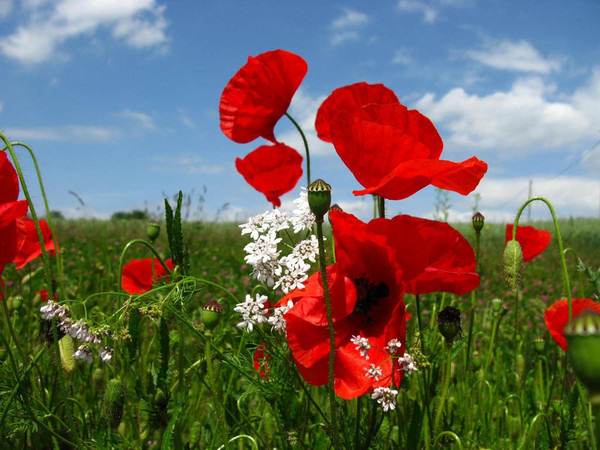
[(10, 210), (259, 94), (272, 170), (532, 241), (391, 150), (557, 316), (374, 264), (137, 274), (28, 243)]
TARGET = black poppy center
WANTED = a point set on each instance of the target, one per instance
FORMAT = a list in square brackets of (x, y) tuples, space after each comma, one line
[(368, 294)]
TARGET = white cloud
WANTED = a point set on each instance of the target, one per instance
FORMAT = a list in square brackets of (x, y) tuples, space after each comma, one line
[(304, 111), (185, 119), (6, 7), (501, 198), (185, 163), (517, 122), (519, 56), (140, 23), (63, 133), (142, 119), (346, 27), (429, 12), (402, 56)]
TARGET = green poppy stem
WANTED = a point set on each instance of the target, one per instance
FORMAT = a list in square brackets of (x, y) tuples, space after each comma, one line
[(305, 147)]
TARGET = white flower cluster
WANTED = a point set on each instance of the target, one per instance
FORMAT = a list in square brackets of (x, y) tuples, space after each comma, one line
[(276, 319), (407, 363), (386, 397), (287, 272), (77, 330), (253, 311), (362, 345)]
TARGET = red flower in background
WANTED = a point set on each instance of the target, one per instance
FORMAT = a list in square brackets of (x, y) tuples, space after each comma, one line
[(137, 274), (259, 94), (28, 243), (261, 360), (10, 210), (557, 316), (532, 241), (391, 151), (272, 170)]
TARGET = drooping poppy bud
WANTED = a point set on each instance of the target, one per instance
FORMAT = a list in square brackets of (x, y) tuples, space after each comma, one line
[(319, 198), (583, 338), (513, 264), (449, 323)]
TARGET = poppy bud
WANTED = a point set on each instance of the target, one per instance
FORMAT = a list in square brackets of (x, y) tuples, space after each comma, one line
[(583, 343), (449, 323), (211, 314), (153, 231), (478, 221), (496, 304), (476, 360), (319, 198), (114, 401), (66, 347), (513, 264)]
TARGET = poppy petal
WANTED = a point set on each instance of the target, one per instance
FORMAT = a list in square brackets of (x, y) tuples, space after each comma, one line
[(350, 98), (137, 276), (28, 242), (271, 169), (259, 94), (9, 182), (557, 316), (533, 241)]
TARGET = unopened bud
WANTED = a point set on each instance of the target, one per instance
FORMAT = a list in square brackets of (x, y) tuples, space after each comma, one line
[(113, 403), (66, 347), (539, 344), (512, 260), (319, 198)]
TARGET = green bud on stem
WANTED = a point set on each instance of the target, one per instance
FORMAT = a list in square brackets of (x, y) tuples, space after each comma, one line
[(319, 198)]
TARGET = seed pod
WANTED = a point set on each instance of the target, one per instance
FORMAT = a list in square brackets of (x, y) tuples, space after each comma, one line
[(319, 198), (114, 401), (153, 231), (513, 264), (211, 314), (478, 221), (449, 323)]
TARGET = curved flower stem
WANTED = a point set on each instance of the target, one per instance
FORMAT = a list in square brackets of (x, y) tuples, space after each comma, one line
[(560, 244), (305, 147), (323, 267), (59, 266), (147, 244), (45, 257)]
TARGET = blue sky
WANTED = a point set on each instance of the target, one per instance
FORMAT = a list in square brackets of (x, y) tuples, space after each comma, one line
[(119, 98)]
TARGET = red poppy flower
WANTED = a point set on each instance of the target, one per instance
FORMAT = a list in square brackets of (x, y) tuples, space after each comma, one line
[(557, 316), (532, 241), (138, 274), (259, 94), (28, 241), (272, 170), (391, 151), (10, 210), (261, 360)]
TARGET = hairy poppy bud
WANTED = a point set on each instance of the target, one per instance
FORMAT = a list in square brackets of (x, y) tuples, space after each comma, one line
[(114, 401), (478, 221), (319, 198), (583, 343), (449, 323), (539, 344), (211, 314), (153, 231), (66, 348), (512, 260)]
